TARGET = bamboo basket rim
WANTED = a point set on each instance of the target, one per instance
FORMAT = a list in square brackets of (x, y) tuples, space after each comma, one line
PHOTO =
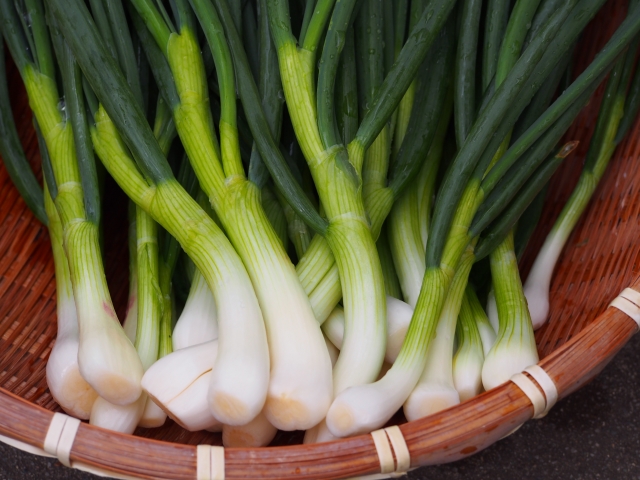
[(444, 437)]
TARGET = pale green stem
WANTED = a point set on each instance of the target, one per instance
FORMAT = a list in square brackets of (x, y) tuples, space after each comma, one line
[(150, 301), (286, 308), (468, 360), (106, 357), (67, 386), (348, 234), (515, 346), (299, 233), (435, 390), (276, 215), (539, 280), (242, 345), (391, 282), (403, 116)]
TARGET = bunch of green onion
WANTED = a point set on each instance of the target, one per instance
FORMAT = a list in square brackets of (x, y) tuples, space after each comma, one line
[(322, 196)]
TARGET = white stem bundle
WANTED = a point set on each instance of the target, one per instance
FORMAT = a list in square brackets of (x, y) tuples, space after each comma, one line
[(333, 351), (492, 311), (399, 316), (198, 322), (143, 246), (178, 384), (468, 360), (173, 374), (107, 359), (300, 384), (366, 407), (536, 288), (319, 434), (257, 433), (191, 408), (152, 416), (118, 418)]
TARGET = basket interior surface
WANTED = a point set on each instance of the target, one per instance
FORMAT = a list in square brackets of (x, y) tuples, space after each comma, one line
[(601, 257)]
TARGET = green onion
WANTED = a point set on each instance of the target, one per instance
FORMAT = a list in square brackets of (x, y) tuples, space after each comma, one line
[(198, 322), (515, 346), (436, 390), (64, 380), (107, 360), (601, 148), (475, 338), (285, 306), (409, 220), (225, 200), (398, 317), (348, 233), (245, 385), (443, 255)]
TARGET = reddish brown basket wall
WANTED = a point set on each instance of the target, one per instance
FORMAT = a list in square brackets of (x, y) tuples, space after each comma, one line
[(601, 258)]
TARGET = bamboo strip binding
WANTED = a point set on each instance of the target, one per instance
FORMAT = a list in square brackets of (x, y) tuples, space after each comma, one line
[(601, 259), (210, 462), (60, 437), (628, 302)]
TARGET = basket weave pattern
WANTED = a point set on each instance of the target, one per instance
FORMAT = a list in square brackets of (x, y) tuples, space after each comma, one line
[(602, 257)]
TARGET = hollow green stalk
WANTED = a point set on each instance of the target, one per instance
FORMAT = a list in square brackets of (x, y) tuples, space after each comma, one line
[(395, 23), (403, 113), (494, 122), (495, 26), (346, 96), (519, 23), (464, 99), (12, 154)]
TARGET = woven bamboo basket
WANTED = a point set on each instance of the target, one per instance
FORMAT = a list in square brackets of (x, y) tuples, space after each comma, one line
[(582, 335)]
